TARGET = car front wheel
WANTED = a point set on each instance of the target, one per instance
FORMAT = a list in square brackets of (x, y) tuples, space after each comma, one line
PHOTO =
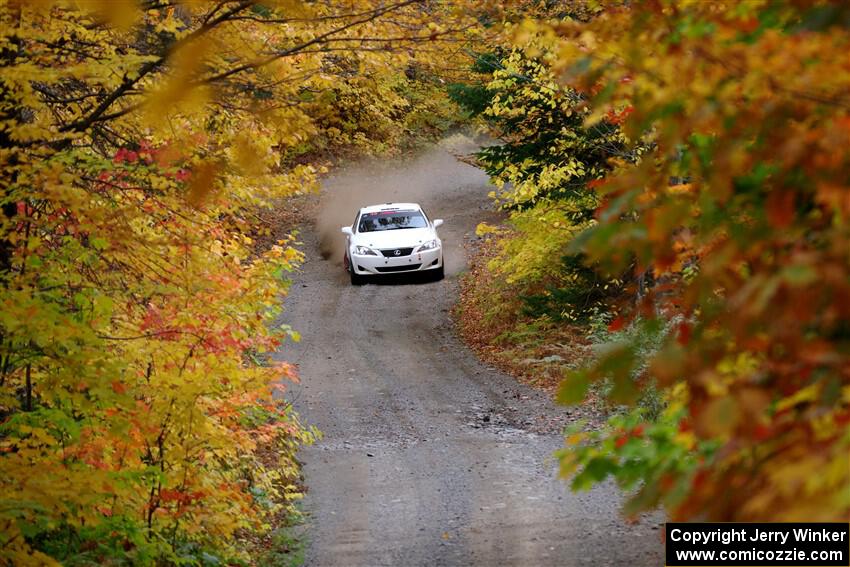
[(439, 273), (355, 278)]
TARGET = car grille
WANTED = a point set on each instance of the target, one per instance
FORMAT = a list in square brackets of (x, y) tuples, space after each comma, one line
[(391, 253), (406, 268)]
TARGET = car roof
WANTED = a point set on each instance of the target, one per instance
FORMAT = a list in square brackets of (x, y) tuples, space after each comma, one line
[(390, 207)]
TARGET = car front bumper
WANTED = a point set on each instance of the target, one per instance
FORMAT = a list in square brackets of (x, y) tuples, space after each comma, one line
[(381, 265)]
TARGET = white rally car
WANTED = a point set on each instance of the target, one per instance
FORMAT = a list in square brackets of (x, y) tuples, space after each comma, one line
[(392, 238)]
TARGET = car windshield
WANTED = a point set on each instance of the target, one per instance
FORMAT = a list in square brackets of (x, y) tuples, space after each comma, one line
[(391, 220)]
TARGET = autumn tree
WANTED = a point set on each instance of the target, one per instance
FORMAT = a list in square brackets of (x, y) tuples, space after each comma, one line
[(747, 102), (544, 165)]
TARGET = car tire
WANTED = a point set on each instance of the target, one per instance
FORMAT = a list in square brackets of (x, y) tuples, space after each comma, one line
[(439, 273), (356, 279)]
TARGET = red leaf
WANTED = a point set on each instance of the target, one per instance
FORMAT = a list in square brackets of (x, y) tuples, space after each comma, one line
[(762, 432), (616, 325), (780, 208), (684, 333), (169, 495)]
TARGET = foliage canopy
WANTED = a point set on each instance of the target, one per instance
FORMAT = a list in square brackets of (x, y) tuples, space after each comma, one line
[(718, 201), (745, 101)]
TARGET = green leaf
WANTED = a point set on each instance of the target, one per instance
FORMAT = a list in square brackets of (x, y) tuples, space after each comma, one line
[(573, 388)]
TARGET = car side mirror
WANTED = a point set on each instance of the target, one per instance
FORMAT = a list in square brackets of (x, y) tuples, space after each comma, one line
[(438, 222), (347, 230)]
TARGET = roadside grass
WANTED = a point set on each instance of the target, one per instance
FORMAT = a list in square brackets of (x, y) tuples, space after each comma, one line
[(538, 351), (287, 545), (285, 540), (491, 321)]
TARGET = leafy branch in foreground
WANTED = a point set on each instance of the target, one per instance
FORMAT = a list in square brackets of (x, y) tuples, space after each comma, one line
[(750, 256)]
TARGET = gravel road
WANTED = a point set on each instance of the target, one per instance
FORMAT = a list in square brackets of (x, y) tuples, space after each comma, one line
[(429, 456)]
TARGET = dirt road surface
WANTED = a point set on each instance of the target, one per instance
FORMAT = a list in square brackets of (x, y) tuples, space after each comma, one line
[(429, 457)]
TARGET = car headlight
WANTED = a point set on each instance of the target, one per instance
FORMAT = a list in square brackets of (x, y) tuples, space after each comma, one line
[(430, 245), (364, 251)]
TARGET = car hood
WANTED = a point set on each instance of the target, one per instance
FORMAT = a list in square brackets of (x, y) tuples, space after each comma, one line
[(401, 238)]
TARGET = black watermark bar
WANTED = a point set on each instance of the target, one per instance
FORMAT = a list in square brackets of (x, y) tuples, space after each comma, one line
[(758, 545)]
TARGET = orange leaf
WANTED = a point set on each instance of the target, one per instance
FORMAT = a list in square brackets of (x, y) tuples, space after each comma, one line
[(780, 208), (616, 324), (203, 180)]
